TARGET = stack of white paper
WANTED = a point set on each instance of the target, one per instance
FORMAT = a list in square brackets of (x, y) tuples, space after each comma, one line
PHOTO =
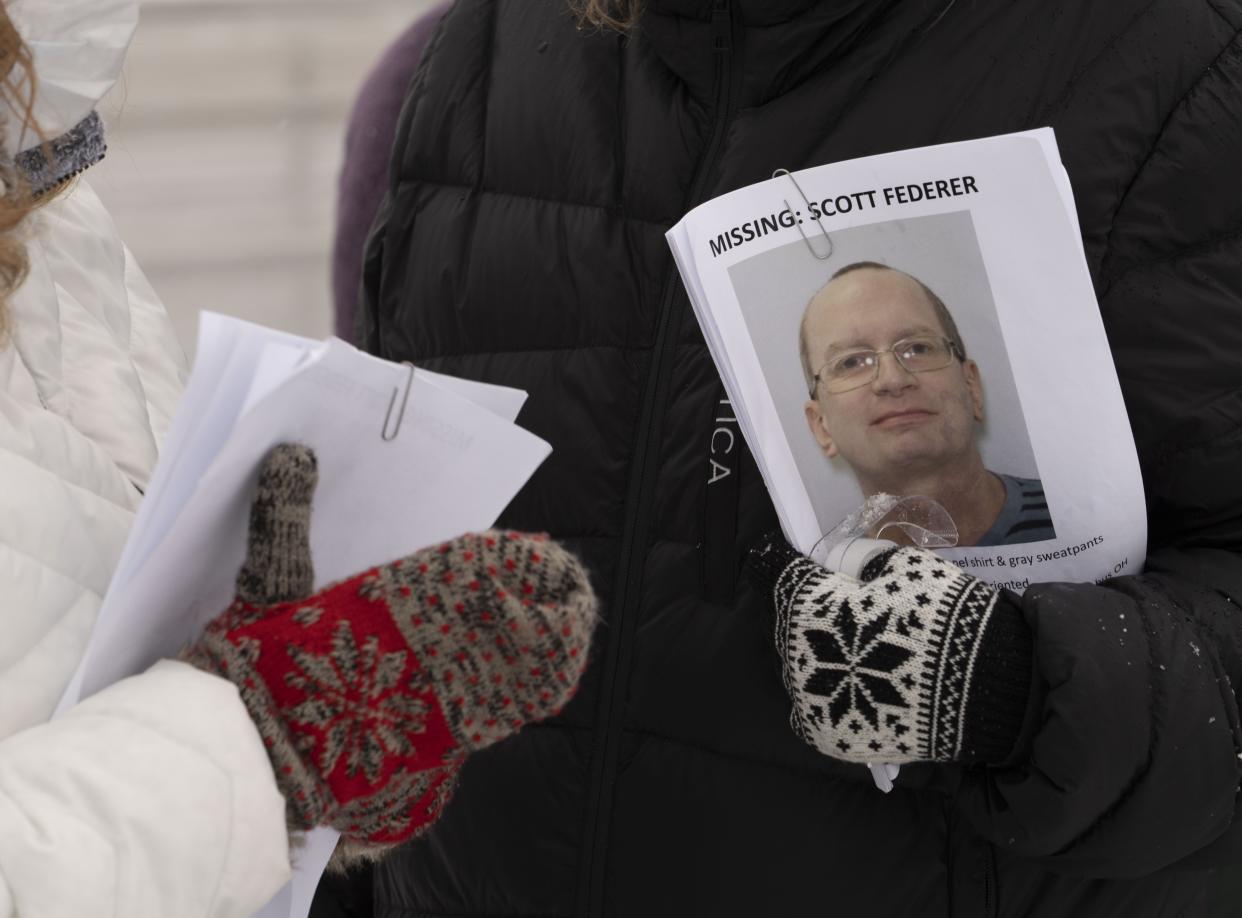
[(407, 458)]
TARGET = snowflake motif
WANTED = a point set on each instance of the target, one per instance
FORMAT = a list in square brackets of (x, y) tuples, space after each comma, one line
[(378, 585), (308, 615), (238, 615), (343, 689), (856, 667), (821, 608), (893, 722), (248, 649)]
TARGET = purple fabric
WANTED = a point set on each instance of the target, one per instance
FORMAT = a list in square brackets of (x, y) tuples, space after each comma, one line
[(368, 142)]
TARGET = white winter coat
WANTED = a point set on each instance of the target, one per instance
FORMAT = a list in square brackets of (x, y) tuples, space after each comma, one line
[(154, 798)]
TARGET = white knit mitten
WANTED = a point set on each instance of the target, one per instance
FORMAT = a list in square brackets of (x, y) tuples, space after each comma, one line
[(917, 661)]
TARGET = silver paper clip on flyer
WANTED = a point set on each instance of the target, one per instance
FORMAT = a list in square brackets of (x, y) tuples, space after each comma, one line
[(884, 522)]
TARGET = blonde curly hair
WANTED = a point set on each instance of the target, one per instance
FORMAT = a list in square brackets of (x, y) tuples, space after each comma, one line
[(619, 15), (17, 84)]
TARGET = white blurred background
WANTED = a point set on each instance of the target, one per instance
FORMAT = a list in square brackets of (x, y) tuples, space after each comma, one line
[(224, 140)]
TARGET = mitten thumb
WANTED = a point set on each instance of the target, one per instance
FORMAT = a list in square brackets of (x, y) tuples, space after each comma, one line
[(278, 561)]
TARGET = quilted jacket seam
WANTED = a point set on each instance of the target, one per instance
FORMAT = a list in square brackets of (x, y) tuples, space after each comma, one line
[(406, 181), (1067, 91), (488, 74), (1140, 773), (695, 346), (1219, 12), (1191, 249), (85, 826), (44, 565), (809, 773), (1184, 448), (556, 349), (1155, 147), (76, 486), (415, 912)]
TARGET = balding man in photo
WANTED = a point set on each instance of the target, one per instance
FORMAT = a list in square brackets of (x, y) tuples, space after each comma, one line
[(893, 394)]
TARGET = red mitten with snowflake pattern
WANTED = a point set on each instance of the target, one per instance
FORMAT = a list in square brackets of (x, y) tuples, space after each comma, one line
[(370, 692)]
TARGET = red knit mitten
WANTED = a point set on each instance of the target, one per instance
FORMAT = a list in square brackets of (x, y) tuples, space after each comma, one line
[(371, 692)]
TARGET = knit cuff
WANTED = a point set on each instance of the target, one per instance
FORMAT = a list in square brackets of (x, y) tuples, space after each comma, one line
[(72, 152), (1000, 686)]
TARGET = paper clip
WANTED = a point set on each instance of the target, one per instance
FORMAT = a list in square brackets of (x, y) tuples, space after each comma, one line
[(818, 222), (396, 428)]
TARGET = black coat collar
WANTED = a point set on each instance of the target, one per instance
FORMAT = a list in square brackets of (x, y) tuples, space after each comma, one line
[(752, 13), (780, 42)]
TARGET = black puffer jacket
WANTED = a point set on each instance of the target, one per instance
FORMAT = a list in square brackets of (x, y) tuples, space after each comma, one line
[(535, 171)]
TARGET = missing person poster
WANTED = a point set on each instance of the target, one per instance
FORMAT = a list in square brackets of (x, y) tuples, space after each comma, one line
[(922, 324)]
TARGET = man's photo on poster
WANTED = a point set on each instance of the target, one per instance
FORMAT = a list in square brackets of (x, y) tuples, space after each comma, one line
[(889, 372)]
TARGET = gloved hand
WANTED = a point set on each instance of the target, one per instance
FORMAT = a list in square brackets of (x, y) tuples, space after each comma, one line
[(370, 693), (917, 661)]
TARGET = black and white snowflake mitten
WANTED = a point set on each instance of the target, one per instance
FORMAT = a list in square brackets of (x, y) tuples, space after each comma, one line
[(917, 661)]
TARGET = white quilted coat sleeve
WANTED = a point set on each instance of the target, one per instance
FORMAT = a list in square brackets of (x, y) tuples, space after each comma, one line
[(155, 797), (152, 799)]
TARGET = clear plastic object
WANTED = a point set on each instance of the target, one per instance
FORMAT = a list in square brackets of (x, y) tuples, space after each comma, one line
[(884, 522)]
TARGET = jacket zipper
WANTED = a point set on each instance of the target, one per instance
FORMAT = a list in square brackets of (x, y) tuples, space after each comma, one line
[(589, 900), (989, 880)]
